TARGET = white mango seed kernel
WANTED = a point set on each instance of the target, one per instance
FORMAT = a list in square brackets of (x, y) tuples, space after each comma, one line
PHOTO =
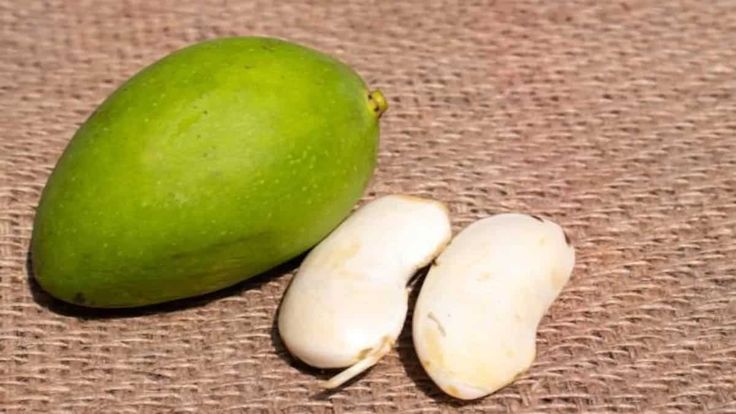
[(476, 318), (347, 303)]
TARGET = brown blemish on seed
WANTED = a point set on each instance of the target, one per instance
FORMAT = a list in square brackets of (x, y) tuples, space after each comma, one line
[(535, 217), (337, 257), (558, 279), (453, 391), (387, 342), (413, 198), (433, 348), (363, 353), (409, 197)]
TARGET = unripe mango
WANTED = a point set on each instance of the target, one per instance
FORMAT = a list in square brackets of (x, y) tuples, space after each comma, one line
[(216, 163)]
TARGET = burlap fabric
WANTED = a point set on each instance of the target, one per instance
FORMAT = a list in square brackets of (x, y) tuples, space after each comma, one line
[(617, 119)]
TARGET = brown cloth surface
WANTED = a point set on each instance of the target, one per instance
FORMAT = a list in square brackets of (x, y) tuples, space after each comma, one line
[(616, 119)]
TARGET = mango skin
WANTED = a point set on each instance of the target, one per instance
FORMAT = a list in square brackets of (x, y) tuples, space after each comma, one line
[(216, 163)]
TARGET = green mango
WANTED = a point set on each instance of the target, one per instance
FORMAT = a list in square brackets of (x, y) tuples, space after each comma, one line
[(216, 163)]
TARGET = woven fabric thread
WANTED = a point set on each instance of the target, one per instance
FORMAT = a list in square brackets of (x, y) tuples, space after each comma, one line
[(617, 119)]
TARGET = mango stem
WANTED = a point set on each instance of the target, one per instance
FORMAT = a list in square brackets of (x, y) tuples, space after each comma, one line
[(377, 102)]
